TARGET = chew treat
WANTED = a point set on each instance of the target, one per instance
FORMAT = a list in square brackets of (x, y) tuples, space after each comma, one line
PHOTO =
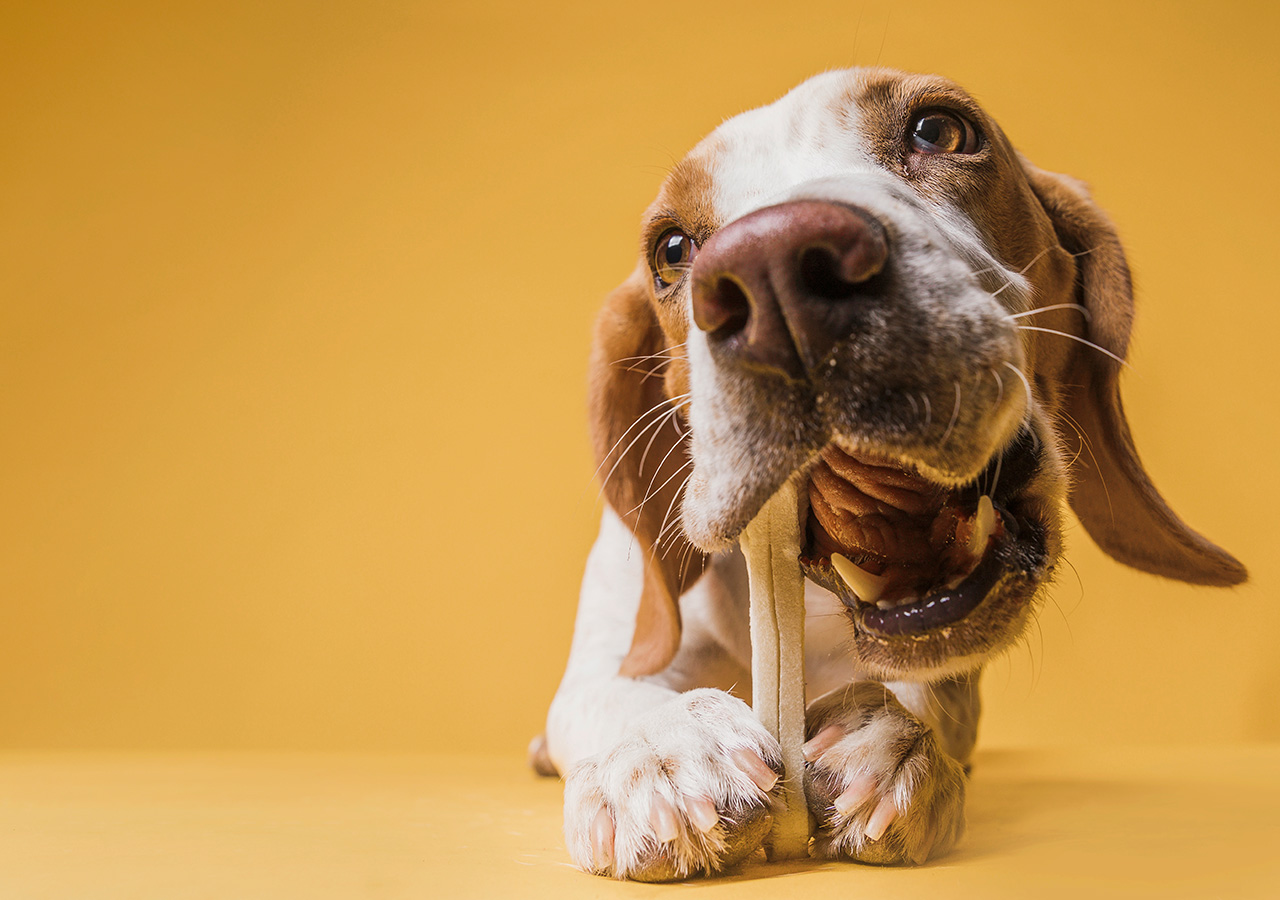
[(772, 544)]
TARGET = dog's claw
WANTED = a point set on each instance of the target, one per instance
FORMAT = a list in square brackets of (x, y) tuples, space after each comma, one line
[(662, 818), (886, 811), (754, 768), (702, 813), (822, 741), (857, 793), (602, 841)]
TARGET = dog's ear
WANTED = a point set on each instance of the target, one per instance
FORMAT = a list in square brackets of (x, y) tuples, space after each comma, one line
[(642, 448), (1111, 492)]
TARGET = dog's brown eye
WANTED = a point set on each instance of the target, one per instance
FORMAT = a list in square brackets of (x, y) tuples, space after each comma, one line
[(939, 131), (672, 255)]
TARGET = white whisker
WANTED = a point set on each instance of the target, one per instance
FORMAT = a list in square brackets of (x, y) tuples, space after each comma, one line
[(1034, 260), (955, 414), (1084, 311), (656, 409), (679, 435), (650, 492), (1025, 384), (1103, 350), (675, 497)]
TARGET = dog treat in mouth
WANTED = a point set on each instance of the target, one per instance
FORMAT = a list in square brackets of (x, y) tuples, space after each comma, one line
[(890, 533), (772, 545)]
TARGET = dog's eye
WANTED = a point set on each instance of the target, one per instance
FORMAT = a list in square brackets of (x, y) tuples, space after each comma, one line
[(672, 255), (940, 131)]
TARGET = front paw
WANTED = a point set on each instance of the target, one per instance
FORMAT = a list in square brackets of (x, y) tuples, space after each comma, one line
[(880, 787), (686, 791)]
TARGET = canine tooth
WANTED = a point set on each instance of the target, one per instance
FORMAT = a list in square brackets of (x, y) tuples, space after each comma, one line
[(984, 523), (868, 587)]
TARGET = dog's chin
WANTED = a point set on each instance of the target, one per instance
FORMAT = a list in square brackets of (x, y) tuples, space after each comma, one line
[(935, 578)]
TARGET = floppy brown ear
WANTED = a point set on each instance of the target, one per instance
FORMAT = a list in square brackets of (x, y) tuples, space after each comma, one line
[(1111, 492), (641, 448)]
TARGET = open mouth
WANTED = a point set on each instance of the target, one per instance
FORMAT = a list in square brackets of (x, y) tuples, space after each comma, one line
[(906, 555)]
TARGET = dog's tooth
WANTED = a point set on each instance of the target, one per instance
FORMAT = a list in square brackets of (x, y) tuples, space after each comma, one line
[(984, 523), (868, 587)]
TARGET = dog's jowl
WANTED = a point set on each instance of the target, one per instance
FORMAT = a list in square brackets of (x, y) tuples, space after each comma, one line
[(864, 289)]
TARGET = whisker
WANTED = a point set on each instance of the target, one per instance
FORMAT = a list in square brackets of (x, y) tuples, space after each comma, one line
[(1088, 446), (679, 432), (1035, 259), (1084, 310), (660, 355), (1025, 384), (1023, 271), (940, 705), (995, 479), (672, 505), (688, 558), (649, 371), (955, 414), (650, 493), (1080, 583), (656, 409), (1103, 350), (658, 471)]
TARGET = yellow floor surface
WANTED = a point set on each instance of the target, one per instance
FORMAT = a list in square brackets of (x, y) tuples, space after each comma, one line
[(1165, 823)]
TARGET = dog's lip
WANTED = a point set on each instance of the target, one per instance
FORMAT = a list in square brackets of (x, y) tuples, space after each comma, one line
[(940, 608), (935, 612)]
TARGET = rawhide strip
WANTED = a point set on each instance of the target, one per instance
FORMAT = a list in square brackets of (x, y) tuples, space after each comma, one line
[(771, 544)]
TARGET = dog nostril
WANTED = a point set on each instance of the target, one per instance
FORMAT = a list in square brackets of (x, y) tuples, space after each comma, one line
[(828, 274), (722, 306), (820, 275)]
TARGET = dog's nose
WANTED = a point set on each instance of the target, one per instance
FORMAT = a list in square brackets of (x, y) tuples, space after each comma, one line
[(780, 287)]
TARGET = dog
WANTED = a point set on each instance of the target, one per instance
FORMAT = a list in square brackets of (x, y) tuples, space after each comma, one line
[(864, 289)]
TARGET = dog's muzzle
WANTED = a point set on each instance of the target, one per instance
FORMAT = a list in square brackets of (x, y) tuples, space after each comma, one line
[(779, 294)]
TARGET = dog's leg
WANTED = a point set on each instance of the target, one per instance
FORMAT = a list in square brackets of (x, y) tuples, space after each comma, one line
[(879, 780), (664, 777)]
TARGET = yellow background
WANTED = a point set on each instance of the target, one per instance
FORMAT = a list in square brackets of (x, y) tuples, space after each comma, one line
[(294, 310)]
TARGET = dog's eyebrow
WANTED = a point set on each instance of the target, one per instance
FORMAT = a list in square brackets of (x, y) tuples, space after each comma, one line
[(687, 198)]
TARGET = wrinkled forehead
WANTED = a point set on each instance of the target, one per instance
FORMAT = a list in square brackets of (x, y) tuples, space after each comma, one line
[(838, 124)]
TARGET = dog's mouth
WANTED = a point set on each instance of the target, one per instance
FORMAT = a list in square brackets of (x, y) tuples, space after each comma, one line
[(907, 555)]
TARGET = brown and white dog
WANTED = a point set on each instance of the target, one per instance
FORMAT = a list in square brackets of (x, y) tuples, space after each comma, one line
[(862, 287)]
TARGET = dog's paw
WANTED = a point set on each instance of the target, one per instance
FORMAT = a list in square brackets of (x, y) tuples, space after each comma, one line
[(880, 787), (686, 791)]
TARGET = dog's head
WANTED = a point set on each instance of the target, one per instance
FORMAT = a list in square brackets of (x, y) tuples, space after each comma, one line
[(864, 287)]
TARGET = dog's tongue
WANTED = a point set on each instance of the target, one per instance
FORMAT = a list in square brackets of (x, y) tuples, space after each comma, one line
[(891, 521)]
